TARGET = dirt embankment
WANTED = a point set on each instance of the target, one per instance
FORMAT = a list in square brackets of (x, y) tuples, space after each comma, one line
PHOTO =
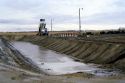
[(88, 50), (11, 56)]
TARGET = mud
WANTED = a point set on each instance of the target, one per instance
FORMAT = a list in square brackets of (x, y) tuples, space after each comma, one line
[(107, 51)]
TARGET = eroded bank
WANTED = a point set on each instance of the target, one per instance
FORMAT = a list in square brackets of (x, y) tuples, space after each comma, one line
[(89, 51)]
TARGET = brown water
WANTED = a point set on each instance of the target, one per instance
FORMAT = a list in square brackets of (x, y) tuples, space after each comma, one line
[(54, 63)]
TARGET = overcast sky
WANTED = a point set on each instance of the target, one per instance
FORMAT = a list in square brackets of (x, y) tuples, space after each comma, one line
[(96, 14)]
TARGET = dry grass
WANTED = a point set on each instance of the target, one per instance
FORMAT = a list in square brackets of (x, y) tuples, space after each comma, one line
[(19, 33)]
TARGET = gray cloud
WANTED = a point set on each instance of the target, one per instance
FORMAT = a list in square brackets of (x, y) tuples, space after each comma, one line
[(61, 19), (102, 18), (18, 21), (21, 4), (107, 18), (28, 12)]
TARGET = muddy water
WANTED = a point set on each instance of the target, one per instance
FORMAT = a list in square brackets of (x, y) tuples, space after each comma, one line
[(57, 64)]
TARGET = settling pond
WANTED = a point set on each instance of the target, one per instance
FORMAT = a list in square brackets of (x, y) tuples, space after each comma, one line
[(54, 63)]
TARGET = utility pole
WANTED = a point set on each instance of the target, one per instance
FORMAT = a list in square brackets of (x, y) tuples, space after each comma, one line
[(51, 24), (80, 20)]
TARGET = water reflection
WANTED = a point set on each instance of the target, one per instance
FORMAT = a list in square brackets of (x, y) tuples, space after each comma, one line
[(54, 63)]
